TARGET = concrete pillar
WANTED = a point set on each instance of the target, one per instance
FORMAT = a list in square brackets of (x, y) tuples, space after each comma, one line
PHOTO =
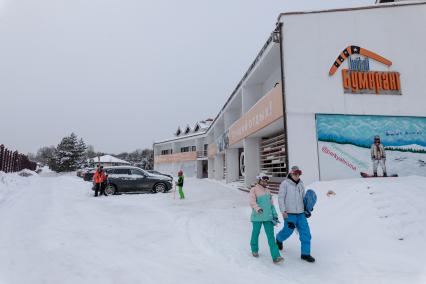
[(218, 167), (199, 168), (252, 159), (232, 165), (211, 170)]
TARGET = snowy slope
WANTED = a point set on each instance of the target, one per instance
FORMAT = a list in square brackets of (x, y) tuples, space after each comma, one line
[(53, 231)]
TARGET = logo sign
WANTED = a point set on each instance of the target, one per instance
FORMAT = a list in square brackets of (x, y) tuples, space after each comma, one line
[(359, 79)]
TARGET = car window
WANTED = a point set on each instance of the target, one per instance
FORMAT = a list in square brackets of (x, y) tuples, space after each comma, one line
[(121, 171), (108, 171), (136, 172)]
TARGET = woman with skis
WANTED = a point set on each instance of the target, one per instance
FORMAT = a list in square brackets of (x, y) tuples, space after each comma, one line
[(263, 213)]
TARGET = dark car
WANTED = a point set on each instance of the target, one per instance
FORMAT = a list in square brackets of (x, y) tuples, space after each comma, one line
[(123, 179), (88, 174), (158, 173)]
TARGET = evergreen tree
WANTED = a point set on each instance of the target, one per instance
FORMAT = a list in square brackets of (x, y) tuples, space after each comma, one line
[(69, 154)]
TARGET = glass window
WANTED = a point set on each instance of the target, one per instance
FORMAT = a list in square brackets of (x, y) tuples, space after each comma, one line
[(136, 172), (122, 171)]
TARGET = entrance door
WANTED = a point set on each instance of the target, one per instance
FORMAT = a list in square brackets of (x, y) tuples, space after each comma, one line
[(205, 169)]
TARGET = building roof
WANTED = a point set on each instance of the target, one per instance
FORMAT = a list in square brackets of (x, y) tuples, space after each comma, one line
[(107, 159), (199, 128)]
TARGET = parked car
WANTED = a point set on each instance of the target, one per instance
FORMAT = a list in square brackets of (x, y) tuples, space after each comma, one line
[(123, 179), (158, 173), (88, 174)]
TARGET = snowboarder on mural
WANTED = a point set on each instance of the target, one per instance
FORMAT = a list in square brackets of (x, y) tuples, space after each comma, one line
[(263, 213), (378, 156), (179, 184), (291, 201)]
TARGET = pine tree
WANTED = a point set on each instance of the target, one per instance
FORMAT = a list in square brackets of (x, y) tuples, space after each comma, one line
[(69, 154)]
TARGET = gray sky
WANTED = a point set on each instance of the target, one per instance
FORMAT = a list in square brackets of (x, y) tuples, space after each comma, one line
[(124, 73)]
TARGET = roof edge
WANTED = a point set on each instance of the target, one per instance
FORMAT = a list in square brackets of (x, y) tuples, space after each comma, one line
[(376, 6)]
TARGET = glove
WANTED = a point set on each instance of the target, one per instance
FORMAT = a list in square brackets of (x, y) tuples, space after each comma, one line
[(307, 214), (260, 211), (291, 225), (275, 220)]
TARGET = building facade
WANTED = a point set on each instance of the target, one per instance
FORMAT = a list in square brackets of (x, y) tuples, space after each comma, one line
[(322, 87)]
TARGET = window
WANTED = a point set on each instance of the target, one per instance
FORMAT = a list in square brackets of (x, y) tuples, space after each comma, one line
[(188, 149), (166, 152), (122, 171), (136, 172)]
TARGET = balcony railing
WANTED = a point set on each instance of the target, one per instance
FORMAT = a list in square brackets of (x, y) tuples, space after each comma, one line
[(202, 154)]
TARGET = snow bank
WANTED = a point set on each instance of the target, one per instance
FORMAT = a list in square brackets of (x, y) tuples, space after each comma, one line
[(371, 231)]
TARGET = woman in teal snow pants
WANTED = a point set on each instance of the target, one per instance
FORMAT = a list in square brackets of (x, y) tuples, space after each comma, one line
[(263, 213)]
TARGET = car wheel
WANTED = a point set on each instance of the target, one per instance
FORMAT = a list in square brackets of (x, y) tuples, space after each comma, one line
[(110, 189), (159, 187)]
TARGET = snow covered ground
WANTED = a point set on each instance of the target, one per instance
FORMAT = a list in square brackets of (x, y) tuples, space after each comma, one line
[(53, 231)]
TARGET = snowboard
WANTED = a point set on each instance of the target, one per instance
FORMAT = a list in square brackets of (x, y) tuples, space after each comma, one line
[(365, 175)]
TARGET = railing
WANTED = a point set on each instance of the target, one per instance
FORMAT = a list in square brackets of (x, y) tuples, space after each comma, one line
[(202, 154), (14, 161)]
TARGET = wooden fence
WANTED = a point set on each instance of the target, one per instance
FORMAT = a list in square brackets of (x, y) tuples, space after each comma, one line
[(13, 161)]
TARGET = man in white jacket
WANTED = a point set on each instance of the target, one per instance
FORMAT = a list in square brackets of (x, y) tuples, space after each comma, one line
[(378, 156), (290, 201)]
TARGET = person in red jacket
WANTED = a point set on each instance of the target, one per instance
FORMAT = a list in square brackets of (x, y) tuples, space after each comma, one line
[(98, 179)]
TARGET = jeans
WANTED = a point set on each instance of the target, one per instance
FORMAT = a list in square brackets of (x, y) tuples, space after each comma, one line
[(299, 221)]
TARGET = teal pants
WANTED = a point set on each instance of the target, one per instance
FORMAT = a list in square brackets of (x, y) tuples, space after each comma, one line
[(181, 194), (269, 230)]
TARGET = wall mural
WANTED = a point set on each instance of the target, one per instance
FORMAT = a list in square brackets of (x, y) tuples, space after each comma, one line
[(346, 145)]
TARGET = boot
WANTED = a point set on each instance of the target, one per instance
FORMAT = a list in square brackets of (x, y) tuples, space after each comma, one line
[(280, 245), (278, 259), (375, 175), (255, 254), (385, 174), (307, 257)]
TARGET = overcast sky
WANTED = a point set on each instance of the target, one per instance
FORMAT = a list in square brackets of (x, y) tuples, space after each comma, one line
[(124, 73)]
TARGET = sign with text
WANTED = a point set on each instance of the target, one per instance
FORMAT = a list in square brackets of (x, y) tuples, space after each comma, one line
[(266, 111), (175, 158), (359, 79)]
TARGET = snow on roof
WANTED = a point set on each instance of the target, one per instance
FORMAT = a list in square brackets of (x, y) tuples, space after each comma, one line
[(199, 127), (108, 159)]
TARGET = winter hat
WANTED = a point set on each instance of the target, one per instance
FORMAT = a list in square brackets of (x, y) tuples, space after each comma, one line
[(263, 176), (296, 170), (180, 173)]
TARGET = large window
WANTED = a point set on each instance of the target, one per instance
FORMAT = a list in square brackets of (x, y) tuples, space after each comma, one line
[(166, 152), (188, 149)]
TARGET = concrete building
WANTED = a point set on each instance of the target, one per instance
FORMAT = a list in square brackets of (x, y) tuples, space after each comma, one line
[(323, 85)]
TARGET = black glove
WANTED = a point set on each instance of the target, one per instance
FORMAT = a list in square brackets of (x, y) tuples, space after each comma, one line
[(260, 211), (307, 214), (291, 225)]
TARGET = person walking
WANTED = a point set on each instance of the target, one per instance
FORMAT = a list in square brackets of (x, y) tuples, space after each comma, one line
[(263, 213), (179, 184), (378, 156), (290, 201), (98, 179)]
